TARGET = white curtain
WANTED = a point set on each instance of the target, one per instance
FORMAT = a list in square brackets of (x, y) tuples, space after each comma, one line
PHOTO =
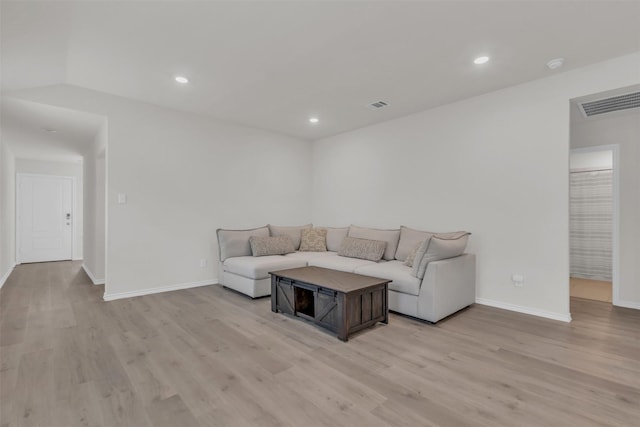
[(591, 222)]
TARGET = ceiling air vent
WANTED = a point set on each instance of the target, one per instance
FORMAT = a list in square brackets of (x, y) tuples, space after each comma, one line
[(609, 105), (377, 105)]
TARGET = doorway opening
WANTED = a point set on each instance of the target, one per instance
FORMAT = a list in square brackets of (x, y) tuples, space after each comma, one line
[(593, 222)]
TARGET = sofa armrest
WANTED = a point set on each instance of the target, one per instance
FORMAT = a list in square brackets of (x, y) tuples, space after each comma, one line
[(449, 285)]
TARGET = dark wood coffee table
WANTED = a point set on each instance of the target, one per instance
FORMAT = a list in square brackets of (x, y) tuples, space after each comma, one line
[(341, 302)]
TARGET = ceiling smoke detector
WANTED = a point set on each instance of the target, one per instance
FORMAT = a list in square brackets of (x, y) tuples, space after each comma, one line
[(377, 105), (555, 63)]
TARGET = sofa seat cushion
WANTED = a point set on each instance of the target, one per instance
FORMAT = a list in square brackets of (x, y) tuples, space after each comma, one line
[(403, 279), (308, 256), (259, 267), (340, 263)]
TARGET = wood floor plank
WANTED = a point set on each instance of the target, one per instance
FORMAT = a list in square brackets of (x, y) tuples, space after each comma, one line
[(171, 412), (211, 357)]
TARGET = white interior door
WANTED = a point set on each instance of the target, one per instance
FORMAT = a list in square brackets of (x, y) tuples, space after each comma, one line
[(45, 228)]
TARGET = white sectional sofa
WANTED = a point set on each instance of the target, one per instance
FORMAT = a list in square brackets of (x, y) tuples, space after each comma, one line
[(440, 282)]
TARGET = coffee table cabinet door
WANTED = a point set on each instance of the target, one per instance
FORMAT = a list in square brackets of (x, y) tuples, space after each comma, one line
[(327, 309), (285, 296)]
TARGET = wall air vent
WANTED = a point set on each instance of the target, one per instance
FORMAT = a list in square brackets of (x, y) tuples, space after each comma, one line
[(377, 105), (609, 105)]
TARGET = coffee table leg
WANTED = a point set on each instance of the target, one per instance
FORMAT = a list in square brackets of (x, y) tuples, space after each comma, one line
[(274, 296), (385, 304), (343, 328)]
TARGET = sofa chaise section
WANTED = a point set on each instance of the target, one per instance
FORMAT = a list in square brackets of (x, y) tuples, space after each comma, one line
[(447, 287), (242, 272), (250, 275)]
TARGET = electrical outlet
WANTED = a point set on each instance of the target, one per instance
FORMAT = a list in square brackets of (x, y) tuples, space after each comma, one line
[(203, 262), (518, 280)]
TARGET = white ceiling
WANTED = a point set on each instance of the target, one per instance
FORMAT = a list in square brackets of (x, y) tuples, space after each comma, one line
[(273, 64), (25, 128)]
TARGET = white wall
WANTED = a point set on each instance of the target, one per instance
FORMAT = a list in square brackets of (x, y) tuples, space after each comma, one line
[(7, 211), (184, 176), (41, 167), (495, 165), (623, 130), (94, 202)]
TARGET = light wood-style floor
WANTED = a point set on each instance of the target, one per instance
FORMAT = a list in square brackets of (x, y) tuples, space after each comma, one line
[(591, 289), (210, 357)]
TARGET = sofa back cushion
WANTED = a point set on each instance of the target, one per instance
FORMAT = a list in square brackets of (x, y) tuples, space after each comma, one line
[(335, 236), (271, 245), (294, 232), (371, 250), (314, 240), (439, 246), (233, 243), (390, 236), (409, 240)]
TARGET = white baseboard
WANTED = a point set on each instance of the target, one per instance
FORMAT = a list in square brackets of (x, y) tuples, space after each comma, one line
[(628, 304), (160, 289), (526, 310), (4, 278), (77, 259), (91, 276)]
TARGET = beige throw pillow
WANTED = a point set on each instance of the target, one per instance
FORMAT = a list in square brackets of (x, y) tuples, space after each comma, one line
[(314, 240), (278, 245), (371, 250), (410, 259), (294, 232), (390, 236)]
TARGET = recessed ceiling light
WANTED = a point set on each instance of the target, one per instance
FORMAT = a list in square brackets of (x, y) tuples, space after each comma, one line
[(481, 60), (182, 79), (555, 63), (313, 120)]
